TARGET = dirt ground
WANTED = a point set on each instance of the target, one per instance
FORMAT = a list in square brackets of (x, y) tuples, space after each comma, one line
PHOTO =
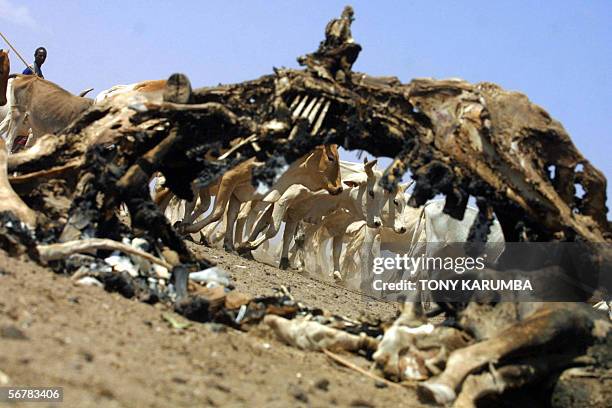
[(109, 351)]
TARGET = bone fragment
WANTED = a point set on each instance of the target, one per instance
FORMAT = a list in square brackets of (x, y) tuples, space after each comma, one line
[(52, 252)]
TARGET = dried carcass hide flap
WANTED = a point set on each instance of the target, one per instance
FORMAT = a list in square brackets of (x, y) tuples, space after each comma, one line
[(308, 335), (413, 349)]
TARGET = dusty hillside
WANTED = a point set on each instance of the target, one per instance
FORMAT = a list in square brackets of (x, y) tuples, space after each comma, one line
[(109, 351)]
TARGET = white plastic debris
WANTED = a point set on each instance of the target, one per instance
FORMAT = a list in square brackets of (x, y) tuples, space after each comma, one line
[(4, 379), (133, 264), (140, 243), (161, 272), (141, 264), (214, 274), (89, 281), (241, 313), (122, 264)]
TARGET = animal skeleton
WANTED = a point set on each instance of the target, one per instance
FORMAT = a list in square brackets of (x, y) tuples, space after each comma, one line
[(458, 139)]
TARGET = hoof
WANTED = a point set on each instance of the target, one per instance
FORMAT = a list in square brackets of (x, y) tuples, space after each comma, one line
[(246, 254), (179, 227), (284, 263), (230, 248), (178, 89), (337, 277), (438, 393), (242, 249)]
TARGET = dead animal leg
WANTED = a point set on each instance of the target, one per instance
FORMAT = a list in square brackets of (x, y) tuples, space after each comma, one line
[(498, 380), (233, 208), (9, 200), (544, 326)]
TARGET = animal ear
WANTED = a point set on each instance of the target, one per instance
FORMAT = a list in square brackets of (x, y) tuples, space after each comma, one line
[(313, 155), (324, 155), (368, 165)]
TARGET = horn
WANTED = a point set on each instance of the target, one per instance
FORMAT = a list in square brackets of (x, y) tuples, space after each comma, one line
[(85, 92), (368, 165)]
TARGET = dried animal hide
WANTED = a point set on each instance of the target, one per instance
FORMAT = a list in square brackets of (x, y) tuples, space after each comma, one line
[(309, 335)]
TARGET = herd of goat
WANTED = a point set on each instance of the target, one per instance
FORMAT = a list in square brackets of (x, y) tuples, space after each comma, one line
[(358, 222)]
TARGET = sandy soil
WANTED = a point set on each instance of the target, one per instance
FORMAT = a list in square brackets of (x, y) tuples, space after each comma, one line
[(109, 351)]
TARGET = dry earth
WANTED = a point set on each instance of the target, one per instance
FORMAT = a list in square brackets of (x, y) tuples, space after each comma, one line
[(109, 351)]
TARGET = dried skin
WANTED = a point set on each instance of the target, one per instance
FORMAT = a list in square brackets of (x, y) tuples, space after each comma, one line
[(310, 335)]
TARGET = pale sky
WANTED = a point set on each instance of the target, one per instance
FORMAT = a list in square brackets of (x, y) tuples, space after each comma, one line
[(559, 53)]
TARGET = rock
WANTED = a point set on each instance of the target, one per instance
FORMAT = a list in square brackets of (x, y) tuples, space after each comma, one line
[(89, 281), (87, 356), (175, 323), (119, 282), (380, 384), (179, 380), (361, 404), (214, 274), (194, 308), (298, 393), (12, 332), (217, 327), (322, 384)]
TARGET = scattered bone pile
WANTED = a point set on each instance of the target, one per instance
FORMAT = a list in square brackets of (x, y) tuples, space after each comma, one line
[(248, 144)]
